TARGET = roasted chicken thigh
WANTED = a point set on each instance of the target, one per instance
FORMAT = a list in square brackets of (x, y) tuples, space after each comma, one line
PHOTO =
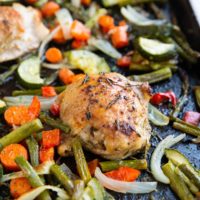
[(108, 112), (21, 31)]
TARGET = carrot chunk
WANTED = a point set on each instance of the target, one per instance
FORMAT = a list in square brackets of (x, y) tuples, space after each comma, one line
[(65, 75), (119, 37), (59, 37), (124, 174), (49, 9), (92, 165), (51, 138), (53, 55), (9, 153), (79, 31), (46, 154), (19, 186), (106, 22), (48, 91)]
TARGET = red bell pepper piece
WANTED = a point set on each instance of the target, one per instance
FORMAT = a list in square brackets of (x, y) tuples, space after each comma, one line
[(51, 138), (124, 61), (192, 117), (55, 110), (48, 91), (92, 165), (162, 97), (46, 154), (124, 174)]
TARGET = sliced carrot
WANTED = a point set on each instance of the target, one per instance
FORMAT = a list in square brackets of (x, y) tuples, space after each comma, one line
[(46, 154), (86, 2), (77, 44), (50, 138), (34, 108), (50, 8), (16, 115), (48, 91), (77, 77), (124, 174), (119, 37), (19, 186), (124, 61), (59, 37), (9, 153), (79, 31), (107, 23), (55, 109), (53, 55), (65, 75), (92, 165)]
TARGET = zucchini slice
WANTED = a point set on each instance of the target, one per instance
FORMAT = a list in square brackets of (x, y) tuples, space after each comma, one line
[(87, 61), (155, 50), (29, 73), (2, 106)]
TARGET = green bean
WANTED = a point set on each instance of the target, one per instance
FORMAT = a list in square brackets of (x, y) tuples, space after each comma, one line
[(78, 189), (187, 181), (8, 73), (38, 92), (183, 46), (33, 149), (197, 95), (81, 163), (156, 117), (65, 181), (191, 173), (21, 133), (183, 98), (32, 176), (111, 165), (177, 185), (54, 123), (153, 77), (187, 129)]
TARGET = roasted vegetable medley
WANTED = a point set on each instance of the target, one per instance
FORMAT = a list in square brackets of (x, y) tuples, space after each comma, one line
[(82, 72)]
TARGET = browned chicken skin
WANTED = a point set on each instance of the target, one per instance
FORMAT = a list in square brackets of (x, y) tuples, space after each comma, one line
[(109, 113)]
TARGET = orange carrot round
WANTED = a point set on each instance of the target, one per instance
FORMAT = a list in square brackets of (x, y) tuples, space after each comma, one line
[(19, 186), (53, 55), (65, 75), (49, 9), (9, 153), (16, 115)]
